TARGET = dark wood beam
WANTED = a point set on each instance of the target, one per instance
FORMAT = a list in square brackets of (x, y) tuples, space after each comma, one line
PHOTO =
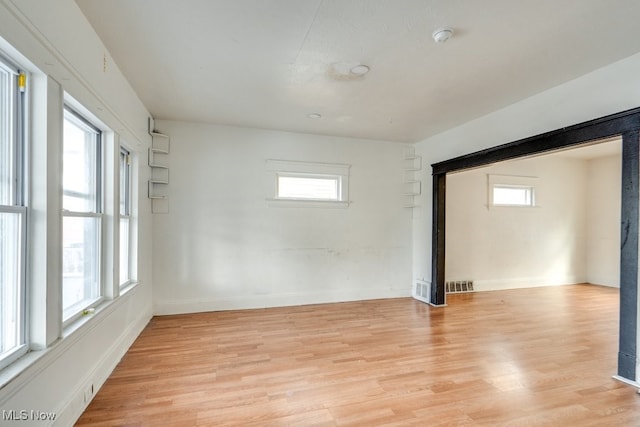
[(629, 258), (604, 127), (438, 241)]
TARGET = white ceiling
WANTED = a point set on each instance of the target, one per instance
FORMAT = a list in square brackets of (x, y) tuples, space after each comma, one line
[(270, 63)]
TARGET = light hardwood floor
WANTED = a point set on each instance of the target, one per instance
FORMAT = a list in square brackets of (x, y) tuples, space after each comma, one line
[(528, 357)]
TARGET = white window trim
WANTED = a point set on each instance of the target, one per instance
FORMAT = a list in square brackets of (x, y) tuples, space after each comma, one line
[(511, 181), (290, 168)]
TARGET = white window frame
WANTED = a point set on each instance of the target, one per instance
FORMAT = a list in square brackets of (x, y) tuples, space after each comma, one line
[(337, 172), (76, 311), (526, 183), (126, 175), (18, 203)]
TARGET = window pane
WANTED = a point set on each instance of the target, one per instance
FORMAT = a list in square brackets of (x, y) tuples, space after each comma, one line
[(7, 141), (519, 196), (125, 183), (10, 281), (124, 250), (80, 166), (308, 188), (80, 266)]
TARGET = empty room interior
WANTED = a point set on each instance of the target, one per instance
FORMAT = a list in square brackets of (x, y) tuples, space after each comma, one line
[(319, 212)]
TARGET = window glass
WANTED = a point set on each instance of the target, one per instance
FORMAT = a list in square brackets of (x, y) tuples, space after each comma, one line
[(312, 188), (124, 182), (307, 184), (513, 196), (80, 172), (125, 216), (10, 281), (7, 142), (125, 274), (82, 221), (81, 272), (12, 217)]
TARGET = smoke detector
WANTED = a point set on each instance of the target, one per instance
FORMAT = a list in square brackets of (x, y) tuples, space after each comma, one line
[(441, 35)]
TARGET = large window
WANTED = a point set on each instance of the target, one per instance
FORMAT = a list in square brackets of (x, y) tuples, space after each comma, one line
[(12, 214), (82, 214), (125, 217)]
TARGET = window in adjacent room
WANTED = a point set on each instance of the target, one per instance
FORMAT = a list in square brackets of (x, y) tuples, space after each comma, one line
[(82, 214), (507, 190), (513, 195), (125, 216), (13, 213)]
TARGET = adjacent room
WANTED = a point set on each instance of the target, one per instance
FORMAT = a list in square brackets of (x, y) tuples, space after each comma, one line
[(545, 220), (284, 212)]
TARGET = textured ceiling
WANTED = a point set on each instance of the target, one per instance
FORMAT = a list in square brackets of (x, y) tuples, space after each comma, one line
[(270, 63)]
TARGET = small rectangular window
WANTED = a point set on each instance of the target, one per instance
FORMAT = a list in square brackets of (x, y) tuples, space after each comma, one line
[(511, 195), (511, 190), (82, 214), (304, 187), (306, 184)]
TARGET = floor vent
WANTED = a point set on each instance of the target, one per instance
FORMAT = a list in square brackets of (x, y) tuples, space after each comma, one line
[(422, 291), (458, 286)]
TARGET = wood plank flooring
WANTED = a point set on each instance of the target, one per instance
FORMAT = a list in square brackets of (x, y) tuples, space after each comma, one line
[(527, 357)]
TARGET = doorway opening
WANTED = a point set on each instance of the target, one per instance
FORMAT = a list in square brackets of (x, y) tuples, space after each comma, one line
[(625, 125), (541, 220)]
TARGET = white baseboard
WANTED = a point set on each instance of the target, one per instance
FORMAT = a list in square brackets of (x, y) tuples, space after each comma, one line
[(627, 381), (167, 307), (74, 405), (608, 285), (524, 282)]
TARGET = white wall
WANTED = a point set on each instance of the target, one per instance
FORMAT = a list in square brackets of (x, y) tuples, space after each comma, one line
[(511, 247), (603, 221), (222, 246), (59, 47), (605, 91)]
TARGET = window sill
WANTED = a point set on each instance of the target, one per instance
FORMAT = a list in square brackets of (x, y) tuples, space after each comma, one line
[(128, 287), (514, 206), (302, 203), (84, 317), (20, 372)]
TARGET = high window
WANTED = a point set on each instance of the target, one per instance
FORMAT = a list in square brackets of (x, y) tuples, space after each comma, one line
[(125, 216), (511, 190), (513, 195), (309, 187), (13, 213), (309, 184), (82, 214)]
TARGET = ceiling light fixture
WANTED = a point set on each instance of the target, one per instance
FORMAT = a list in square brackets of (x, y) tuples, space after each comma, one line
[(360, 70), (441, 35), (314, 115)]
